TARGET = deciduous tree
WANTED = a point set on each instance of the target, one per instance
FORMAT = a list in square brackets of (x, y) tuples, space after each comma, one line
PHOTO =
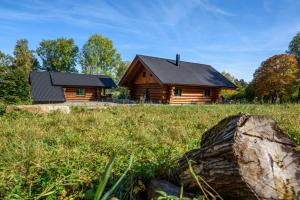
[(24, 60), (58, 55), (276, 78), (243, 92), (15, 73), (120, 70), (5, 60), (99, 56), (294, 47)]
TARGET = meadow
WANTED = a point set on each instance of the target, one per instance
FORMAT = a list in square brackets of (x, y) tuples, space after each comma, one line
[(63, 155)]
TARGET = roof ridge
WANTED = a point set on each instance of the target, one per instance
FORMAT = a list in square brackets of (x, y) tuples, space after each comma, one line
[(74, 73), (140, 55)]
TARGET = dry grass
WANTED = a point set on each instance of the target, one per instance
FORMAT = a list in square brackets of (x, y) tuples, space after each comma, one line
[(63, 155)]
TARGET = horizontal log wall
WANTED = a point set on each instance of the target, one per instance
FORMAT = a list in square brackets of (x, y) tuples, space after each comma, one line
[(138, 91), (90, 94), (193, 95), (165, 94)]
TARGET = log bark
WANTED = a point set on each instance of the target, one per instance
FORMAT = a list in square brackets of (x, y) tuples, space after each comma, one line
[(245, 157)]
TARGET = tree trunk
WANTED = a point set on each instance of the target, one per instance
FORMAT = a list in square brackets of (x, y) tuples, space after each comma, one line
[(245, 157)]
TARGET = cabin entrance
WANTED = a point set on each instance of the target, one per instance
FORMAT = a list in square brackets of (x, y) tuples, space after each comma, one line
[(147, 95)]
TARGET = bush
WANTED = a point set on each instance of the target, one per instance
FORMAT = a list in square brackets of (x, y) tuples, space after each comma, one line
[(2, 108), (120, 93)]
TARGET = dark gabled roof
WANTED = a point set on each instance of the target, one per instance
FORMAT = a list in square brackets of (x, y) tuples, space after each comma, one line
[(77, 80), (186, 73), (108, 82), (43, 90)]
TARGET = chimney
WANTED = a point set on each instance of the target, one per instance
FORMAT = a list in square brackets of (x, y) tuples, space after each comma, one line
[(177, 59)]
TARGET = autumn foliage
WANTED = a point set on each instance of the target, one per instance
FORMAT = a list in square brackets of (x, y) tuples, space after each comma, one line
[(276, 78)]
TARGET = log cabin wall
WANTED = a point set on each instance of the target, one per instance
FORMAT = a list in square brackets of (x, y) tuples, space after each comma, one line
[(193, 95), (91, 94), (155, 92), (146, 80)]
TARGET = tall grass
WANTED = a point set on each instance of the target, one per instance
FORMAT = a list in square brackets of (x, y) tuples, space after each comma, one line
[(59, 156), (100, 195)]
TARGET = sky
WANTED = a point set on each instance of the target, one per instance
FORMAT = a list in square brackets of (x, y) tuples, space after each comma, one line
[(231, 35)]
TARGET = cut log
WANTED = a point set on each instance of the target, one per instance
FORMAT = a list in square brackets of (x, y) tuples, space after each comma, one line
[(245, 157)]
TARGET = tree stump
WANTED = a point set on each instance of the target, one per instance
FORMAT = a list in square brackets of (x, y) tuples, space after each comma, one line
[(245, 157)]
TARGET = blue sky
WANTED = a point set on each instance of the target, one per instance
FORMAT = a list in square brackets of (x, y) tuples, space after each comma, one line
[(231, 35)]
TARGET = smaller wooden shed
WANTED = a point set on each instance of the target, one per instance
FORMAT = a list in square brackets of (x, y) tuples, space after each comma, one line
[(57, 87), (173, 81)]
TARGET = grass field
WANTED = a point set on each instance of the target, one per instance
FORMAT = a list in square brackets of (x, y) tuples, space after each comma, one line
[(58, 155)]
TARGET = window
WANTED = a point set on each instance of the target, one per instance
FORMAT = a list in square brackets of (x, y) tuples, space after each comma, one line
[(144, 74), (80, 92), (207, 93), (177, 92)]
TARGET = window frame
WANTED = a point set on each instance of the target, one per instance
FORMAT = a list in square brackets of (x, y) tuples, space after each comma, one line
[(207, 93), (80, 92), (177, 92), (144, 74)]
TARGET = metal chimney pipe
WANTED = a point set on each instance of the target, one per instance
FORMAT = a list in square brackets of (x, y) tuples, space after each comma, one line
[(177, 59)]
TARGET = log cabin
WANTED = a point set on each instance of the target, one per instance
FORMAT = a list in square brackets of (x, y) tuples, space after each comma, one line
[(58, 87), (170, 81)]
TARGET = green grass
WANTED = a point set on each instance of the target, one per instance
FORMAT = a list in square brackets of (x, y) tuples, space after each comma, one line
[(58, 155)]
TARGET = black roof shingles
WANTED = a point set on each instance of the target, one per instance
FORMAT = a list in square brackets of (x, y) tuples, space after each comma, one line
[(87, 80), (187, 73), (48, 86), (43, 90)]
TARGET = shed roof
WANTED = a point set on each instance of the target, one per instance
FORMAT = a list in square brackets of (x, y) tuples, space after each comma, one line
[(88, 80), (43, 90), (187, 73)]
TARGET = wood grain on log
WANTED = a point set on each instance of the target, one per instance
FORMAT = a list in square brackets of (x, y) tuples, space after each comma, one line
[(246, 157)]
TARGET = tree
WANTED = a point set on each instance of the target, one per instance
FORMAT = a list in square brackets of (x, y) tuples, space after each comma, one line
[(15, 73), (58, 55), (240, 83), (276, 78), (5, 60), (99, 56), (24, 60), (294, 47), (243, 93), (120, 70)]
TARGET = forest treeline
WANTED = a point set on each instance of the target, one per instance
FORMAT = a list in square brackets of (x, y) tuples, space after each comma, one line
[(275, 81)]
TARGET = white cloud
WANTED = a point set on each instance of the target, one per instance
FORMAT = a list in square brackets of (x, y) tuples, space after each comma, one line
[(208, 6)]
